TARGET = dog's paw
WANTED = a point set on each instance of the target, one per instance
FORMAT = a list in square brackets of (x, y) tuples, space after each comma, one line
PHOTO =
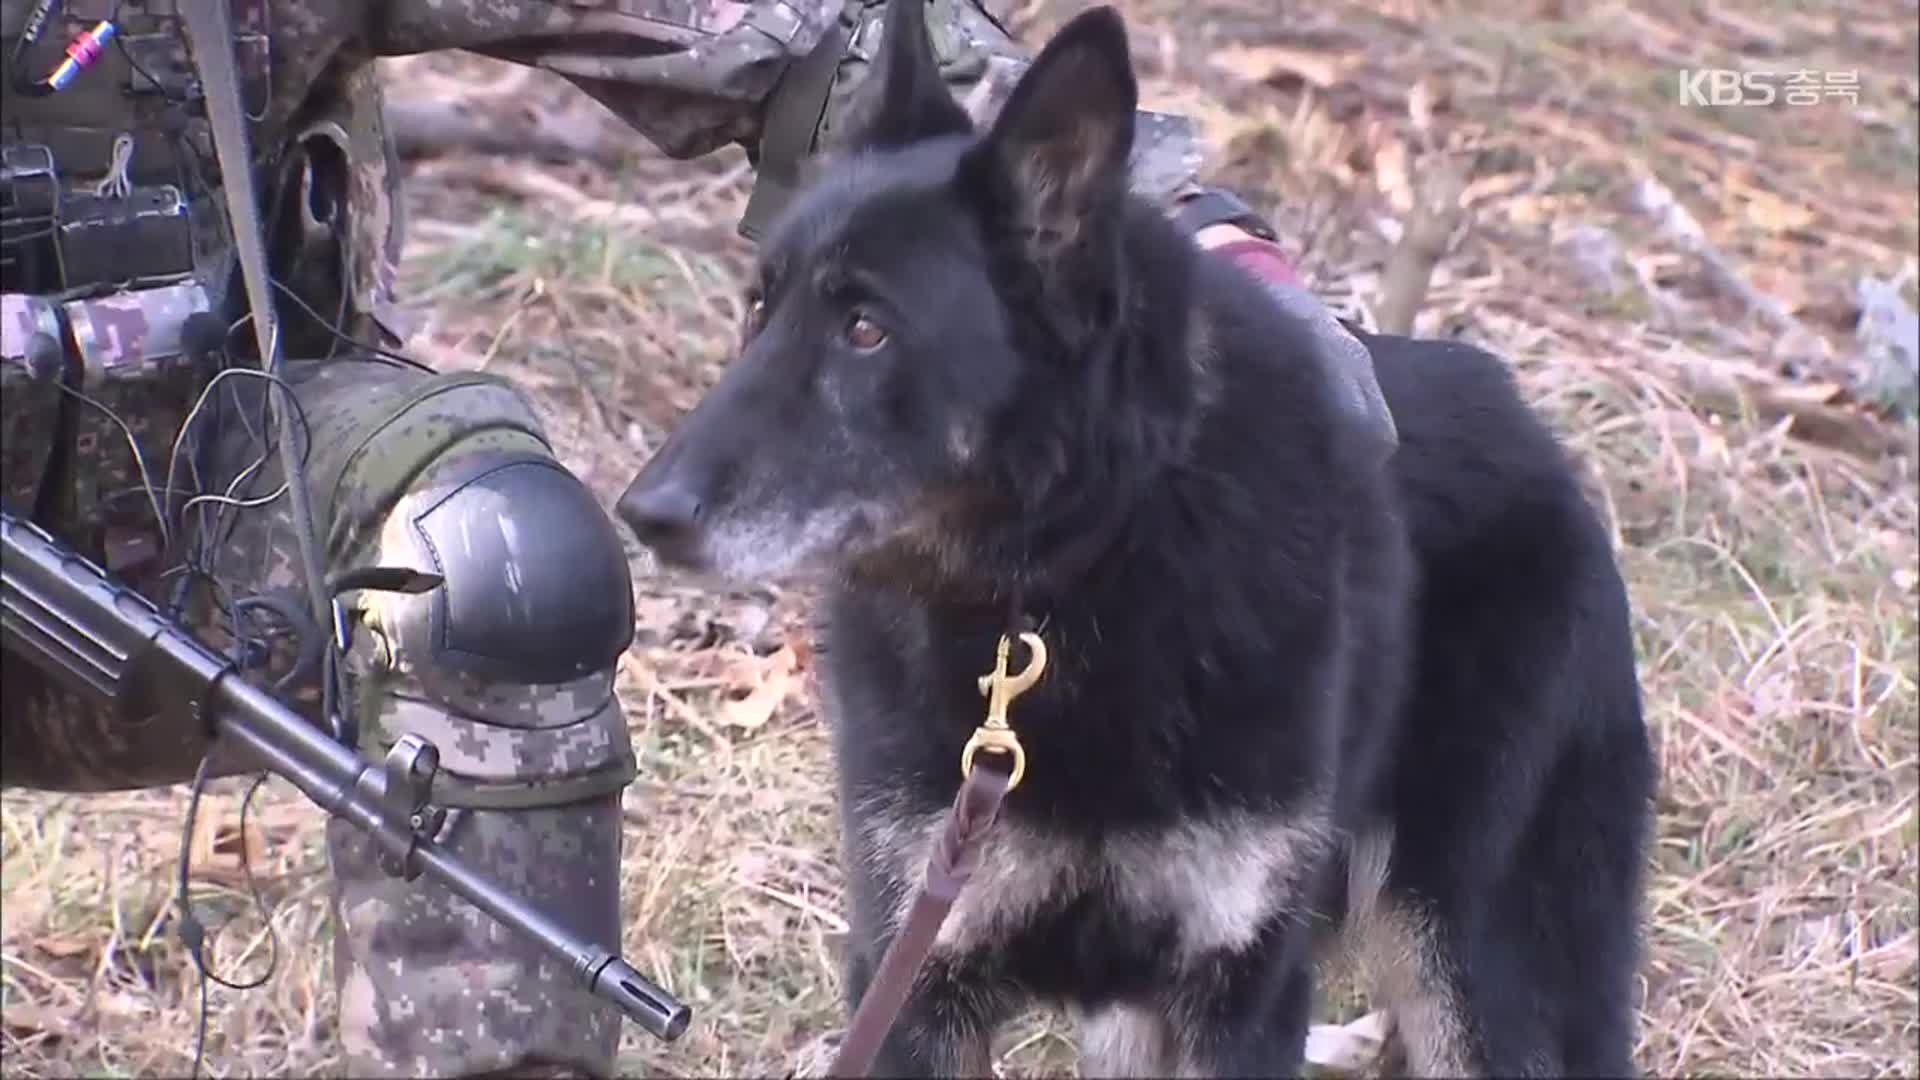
[(816, 1058)]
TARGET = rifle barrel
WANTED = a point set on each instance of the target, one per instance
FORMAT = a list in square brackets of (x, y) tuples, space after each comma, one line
[(86, 630)]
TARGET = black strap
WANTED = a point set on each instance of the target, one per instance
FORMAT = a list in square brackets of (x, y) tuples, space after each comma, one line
[(1216, 207), (786, 134)]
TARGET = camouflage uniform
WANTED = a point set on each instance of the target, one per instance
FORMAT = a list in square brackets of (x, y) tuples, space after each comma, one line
[(535, 750)]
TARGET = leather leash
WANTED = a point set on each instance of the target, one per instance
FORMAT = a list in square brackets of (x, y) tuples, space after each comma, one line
[(956, 855), (975, 808)]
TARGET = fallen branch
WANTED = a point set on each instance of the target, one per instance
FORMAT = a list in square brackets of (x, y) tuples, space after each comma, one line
[(1677, 224), (1811, 410)]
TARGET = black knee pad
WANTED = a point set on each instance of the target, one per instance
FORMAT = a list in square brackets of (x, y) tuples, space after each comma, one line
[(536, 587)]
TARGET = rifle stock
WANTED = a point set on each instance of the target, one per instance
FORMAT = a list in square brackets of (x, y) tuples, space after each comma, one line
[(69, 618)]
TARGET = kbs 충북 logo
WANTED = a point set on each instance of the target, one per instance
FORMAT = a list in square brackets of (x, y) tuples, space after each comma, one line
[(1731, 86)]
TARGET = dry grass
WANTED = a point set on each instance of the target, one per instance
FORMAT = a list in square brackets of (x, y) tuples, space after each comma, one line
[(1774, 580)]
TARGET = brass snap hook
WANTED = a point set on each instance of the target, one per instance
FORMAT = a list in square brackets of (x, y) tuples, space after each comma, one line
[(1000, 689)]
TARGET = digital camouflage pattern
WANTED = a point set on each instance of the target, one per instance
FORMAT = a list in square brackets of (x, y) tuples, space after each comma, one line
[(31, 406), (432, 988), (427, 984), (532, 774), (691, 76)]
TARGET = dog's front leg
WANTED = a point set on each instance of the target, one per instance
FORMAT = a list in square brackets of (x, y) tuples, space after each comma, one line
[(946, 1027), (1245, 1012)]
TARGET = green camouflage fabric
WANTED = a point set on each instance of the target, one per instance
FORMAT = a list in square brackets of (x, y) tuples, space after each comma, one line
[(691, 76), (31, 406), (427, 985)]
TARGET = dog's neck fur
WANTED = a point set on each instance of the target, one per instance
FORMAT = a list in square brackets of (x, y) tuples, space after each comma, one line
[(1021, 539)]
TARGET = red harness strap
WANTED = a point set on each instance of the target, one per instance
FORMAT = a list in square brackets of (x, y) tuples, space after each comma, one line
[(1263, 258)]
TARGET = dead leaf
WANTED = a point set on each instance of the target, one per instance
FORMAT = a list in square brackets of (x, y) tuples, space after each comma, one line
[(1783, 284), (802, 647), (1758, 35), (1390, 172), (64, 946), (123, 1004), (1533, 210), (218, 844), (212, 844), (1774, 214), (1495, 187), (29, 1020), (1810, 393), (776, 681), (230, 842), (1420, 108), (1267, 63)]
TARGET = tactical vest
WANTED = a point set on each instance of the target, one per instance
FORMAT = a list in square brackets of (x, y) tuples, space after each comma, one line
[(116, 279)]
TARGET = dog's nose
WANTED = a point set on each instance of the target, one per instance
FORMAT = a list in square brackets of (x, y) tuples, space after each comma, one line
[(661, 515)]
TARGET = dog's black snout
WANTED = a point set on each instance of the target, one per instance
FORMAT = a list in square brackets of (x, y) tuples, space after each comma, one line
[(661, 515)]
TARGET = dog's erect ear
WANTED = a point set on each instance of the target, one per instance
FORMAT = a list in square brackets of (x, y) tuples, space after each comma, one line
[(1065, 136), (912, 102)]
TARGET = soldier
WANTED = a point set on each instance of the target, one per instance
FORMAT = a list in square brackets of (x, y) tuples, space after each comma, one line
[(125, 436)]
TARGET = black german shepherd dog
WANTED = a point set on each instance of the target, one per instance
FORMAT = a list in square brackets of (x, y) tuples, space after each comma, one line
[(1293, 701)]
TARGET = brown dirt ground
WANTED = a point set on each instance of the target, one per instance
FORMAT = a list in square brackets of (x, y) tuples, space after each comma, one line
[(1773, 563)]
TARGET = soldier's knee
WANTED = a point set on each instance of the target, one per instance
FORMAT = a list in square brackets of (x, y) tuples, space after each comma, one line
[(507, 665), (452, 475), (534, 587)]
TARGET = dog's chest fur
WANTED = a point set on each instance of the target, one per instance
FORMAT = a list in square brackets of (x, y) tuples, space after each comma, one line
[(1202, 886)]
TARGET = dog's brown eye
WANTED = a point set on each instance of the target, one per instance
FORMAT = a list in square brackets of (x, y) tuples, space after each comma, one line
[(756, 313), (863, 333)]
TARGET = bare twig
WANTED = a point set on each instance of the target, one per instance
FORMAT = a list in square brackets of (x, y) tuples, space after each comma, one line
[(1436, 213), (1678, 225)]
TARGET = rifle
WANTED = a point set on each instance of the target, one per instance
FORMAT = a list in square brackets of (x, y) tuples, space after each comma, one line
[(74, 622)]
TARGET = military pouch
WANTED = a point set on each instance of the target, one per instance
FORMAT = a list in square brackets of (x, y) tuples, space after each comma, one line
[(30, 364)]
